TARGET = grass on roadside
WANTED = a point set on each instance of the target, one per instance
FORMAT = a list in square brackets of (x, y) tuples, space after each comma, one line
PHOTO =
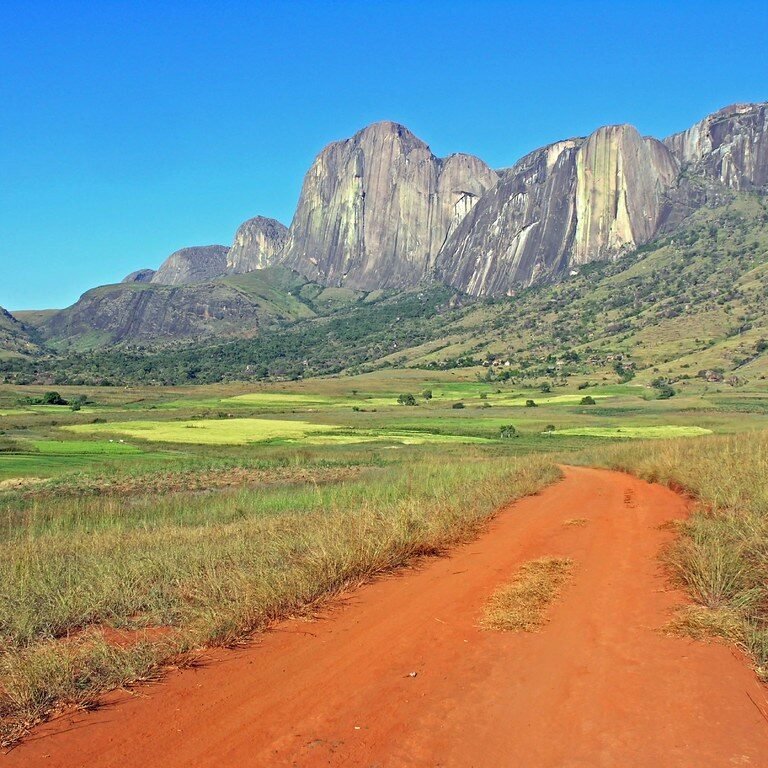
[(721, 555), (215, 570), (521, 605)]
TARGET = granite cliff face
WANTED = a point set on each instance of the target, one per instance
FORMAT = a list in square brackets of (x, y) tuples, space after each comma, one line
[(258, 244), (566, 204), (730, 146), (192, 265), (375, 209)]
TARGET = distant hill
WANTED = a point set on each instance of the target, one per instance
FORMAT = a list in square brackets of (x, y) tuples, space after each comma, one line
[(16, 338), (141, 313)]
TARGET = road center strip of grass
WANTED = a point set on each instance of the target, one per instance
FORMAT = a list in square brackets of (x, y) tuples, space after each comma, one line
[(521, 605)]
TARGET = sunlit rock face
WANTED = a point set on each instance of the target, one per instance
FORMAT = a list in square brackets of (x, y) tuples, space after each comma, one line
[(730, 146), (566, 204), (621, 183), (197, 264), (258, 244), (375, 209)]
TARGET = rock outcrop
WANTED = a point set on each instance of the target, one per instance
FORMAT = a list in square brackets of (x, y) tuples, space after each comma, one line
[(197, 264), (258, 244), (147, 313), (375, 209), (16, 338), (566, 204), (730, 146), (139, 276)]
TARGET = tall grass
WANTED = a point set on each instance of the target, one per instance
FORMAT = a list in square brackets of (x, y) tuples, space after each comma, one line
[(722, 553), (215, 569)]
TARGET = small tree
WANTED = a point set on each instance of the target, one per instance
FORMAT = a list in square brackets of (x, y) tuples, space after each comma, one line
[(427, 394), (588, 400), (549, 429), (530, 404), (53, 398), (545, 388), (406, 399), (507, 432)]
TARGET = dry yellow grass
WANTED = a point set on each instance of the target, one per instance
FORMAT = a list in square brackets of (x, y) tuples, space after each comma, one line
[(520, 606)]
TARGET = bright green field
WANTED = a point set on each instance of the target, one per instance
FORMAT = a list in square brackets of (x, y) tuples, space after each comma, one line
[(83, 448), (246, 431), (667, 431)]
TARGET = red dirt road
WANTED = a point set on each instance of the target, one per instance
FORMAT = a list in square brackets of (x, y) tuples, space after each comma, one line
[(599, 686)]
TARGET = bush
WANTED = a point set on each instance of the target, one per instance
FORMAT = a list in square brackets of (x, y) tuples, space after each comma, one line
[(457, 405), (588, 400), (53, 398), (507, 432), (406, 399), (427, 394), (530, 404)]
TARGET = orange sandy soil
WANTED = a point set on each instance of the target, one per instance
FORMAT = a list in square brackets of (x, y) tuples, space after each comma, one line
[(599, 686)]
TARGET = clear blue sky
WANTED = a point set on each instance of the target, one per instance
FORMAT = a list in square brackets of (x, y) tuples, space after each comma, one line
[(130, 129)]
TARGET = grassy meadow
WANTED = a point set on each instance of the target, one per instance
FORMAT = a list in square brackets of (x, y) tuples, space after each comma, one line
[(151, 521)]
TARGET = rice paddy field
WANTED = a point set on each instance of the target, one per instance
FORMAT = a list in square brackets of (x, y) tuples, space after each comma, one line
[(195, 516)]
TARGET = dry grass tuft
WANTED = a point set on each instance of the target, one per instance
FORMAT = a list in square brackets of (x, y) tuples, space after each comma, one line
[(520, 606), (700, 623), (576, 522)]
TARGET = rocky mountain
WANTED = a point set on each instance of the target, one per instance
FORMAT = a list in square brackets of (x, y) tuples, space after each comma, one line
[(730, 146), (233, 306), (381, 211), (188, 266), (258, 244), (598, 198), (375, 209), (567, 204)]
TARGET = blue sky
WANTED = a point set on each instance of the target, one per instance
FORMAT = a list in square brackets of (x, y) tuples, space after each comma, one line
[(131, 129)]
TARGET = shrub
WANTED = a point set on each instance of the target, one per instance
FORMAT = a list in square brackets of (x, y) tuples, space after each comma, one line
[(507, 432), (53, 398), (406, 399), (457, 405), (427, 394), (588, 400), (530, 404)]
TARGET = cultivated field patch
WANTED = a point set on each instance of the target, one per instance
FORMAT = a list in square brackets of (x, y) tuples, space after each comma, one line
[(664, 431)]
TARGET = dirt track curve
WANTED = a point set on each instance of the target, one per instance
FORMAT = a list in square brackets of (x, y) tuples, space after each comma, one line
[(598, 687)]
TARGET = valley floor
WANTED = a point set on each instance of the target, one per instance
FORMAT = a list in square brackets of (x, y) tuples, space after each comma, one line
[(602, 684)]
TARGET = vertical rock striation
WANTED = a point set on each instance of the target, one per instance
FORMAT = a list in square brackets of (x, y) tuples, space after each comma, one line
[(730, 146), (375, 209), (566, 204), (258, 244)]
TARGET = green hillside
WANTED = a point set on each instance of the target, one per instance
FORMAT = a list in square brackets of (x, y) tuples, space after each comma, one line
[(689, 304)]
